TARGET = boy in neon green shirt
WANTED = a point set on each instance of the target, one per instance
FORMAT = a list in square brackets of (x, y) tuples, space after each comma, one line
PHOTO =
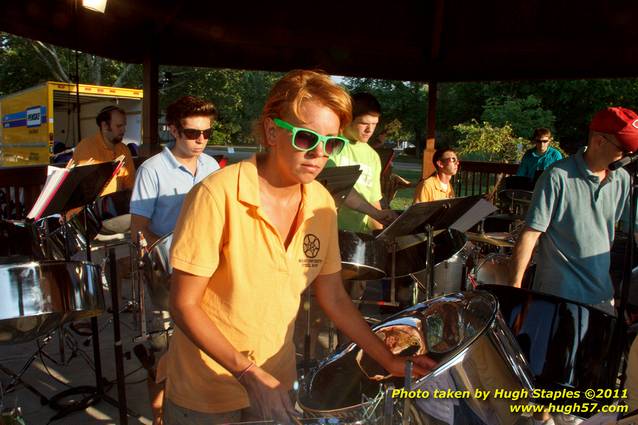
[(362, 213)]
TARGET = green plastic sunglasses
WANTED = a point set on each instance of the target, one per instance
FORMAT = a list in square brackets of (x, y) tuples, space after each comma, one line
[(306, 140)]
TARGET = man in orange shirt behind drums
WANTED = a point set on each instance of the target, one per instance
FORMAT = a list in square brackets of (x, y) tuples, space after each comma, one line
[(106, 145), (439, 185)]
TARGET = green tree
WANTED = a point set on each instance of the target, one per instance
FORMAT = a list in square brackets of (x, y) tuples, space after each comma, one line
[(25, 63), (487, 142), (523, 115), (238, 95), (403, 101)]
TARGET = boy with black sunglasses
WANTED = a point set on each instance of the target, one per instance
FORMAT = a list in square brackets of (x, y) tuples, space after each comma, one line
[(164, 179)]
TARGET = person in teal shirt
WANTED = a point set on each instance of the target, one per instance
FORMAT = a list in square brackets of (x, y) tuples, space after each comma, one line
[(362, 210), (540, 157)]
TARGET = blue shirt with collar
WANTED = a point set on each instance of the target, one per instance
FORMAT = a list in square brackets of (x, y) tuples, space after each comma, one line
[(577, 215), (533, 161), (161, 184)]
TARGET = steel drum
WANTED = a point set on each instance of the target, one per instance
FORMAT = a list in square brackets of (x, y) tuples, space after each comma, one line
[(56, 238), (566, 343), (362, 257), (451, 254), (18, 242), (37, 297), (157, 271), (494, 269), (463, 332)]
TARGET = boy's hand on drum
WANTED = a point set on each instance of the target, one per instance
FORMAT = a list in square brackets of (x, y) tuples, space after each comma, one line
[(385, 217), (421, 365), (267, 396)]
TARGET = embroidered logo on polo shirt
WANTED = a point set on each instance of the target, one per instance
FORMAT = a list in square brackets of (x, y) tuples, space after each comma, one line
[(311, 247)]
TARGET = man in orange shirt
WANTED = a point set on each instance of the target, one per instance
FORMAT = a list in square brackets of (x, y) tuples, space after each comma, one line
[(106, 145), (439, 185)]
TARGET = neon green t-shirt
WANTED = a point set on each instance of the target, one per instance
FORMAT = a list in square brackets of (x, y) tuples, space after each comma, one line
[(368, 185)]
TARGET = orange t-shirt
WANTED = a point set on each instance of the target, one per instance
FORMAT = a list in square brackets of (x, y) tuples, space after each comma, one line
[(95, 148), (255, 283)]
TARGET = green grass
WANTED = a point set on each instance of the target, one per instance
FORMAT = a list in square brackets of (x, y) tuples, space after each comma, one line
[(404, 197)]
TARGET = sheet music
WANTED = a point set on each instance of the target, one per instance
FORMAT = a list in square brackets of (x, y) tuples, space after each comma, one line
[(55, 177), (478, 212)]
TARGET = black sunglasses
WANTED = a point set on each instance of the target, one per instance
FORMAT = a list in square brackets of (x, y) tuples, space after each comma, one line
[(193, 134)]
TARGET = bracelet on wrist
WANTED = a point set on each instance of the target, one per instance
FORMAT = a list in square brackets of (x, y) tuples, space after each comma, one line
[(243, 372)]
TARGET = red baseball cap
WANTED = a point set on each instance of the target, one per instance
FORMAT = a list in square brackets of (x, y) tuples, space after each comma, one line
[(619, 121)]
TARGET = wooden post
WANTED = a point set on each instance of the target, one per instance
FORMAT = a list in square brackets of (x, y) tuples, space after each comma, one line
[(150, 107), (428, 153)]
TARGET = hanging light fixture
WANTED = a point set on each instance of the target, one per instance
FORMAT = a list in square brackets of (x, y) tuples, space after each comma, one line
[(96, 5)]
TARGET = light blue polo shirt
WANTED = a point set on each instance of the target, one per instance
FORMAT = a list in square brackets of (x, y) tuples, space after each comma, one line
[(161, 183), (577, 215)]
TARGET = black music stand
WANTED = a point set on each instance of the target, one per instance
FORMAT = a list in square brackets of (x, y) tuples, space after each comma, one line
[(82, 186), (458, 213), (339, 181)]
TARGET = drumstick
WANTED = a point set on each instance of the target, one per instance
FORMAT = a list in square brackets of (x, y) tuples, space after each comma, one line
[(497, 183)]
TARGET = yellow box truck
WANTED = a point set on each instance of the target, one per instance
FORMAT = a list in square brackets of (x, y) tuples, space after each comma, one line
[(35, 119)]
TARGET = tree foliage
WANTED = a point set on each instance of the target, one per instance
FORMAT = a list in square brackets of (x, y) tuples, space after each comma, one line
[(403, 103), (565, 106), (486, 142), (238, 95), (523, 115)]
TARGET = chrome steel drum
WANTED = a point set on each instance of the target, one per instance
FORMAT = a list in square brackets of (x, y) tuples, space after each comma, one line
[(37, 297), (56, 238), (451, 254), (566, 343), (157, 271), (362, 257), (463, 332), (81, 285), (18, 242), (451, 275), (494, 269)]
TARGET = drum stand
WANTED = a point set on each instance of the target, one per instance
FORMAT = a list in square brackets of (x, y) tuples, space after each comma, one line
[(16, 378)]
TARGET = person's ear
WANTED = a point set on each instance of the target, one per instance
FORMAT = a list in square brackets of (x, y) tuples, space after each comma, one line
[(270, 132), (174, 131)]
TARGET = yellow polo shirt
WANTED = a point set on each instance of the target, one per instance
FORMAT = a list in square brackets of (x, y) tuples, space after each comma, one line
[(95, 148), (430, 189), (255, 283)]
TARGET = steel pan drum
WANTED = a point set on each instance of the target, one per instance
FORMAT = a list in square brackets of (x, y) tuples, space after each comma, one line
[(80, 229), (451, 253), (37, 297), (18, 242), (362, 257), (494, 269), (157, 271), (463, 332), (566, 343)]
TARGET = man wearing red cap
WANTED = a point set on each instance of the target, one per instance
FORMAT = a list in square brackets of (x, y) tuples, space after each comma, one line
[(575, 207)]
